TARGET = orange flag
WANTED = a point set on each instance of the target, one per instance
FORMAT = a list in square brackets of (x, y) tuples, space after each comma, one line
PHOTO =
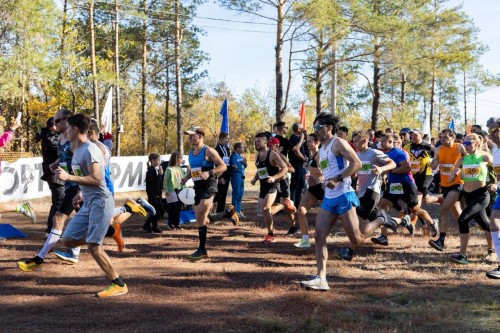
[(302, 114)]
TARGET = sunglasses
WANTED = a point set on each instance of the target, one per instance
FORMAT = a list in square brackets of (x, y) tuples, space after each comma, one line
[(467, 143), (318, 128), (57, 121), (493, 130)]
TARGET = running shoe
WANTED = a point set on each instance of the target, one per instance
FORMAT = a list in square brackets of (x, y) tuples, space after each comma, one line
[(434, 228), (146, 205), (118, 237), (198, 254), (388, 221), (380, 240), (66, 256), (303, 244), (292, 231), (242, 216), (113, 290), (135, 207), (406, 222), (289, 205), (28, 211), (494, 274), (437, 244), (459, 258), (315, 284), (231, 214), (156, 230), (343, 254), (269, 239), (30, 264)]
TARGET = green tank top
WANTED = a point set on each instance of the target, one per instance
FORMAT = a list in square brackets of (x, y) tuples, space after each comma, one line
[(474, 169)]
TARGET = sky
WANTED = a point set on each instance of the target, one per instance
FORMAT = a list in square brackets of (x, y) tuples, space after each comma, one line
[(244, 56)]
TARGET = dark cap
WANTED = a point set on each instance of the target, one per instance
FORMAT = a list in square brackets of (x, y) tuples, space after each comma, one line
[(195, 130)]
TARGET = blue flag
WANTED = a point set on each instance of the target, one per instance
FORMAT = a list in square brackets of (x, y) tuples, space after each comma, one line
[(452, 125), (224, 127)]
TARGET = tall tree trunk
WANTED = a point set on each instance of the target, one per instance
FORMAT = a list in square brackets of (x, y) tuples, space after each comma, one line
[(118, 119), (333, 92), (319, 71), (167, 97), (63, 41), (279, 59), (93, 60), (433, 92), (403, 88), (144, 134), (465, 101), (376, 85), (475, 103), (178, 84)]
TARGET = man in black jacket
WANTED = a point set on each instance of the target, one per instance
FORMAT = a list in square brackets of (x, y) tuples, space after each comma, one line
[(224, 179), (48, 136)]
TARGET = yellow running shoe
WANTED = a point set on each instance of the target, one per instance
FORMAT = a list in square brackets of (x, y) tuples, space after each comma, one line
[(113, 290), (135, 207), (31, 264)]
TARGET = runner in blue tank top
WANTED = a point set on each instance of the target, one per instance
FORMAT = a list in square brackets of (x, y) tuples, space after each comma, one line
[(205, 163), (338, 162)]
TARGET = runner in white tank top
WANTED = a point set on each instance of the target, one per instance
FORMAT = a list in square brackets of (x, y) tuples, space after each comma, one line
[(332, 166)]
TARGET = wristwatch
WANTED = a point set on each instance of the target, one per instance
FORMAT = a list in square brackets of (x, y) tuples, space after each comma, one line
[(340, 178)]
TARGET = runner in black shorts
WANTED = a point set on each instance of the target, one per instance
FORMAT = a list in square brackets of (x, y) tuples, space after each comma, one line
[(205, 162), (270, 168)]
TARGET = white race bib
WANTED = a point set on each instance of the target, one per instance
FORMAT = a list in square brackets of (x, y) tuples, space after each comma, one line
[(226, 160), (415, 166), (446, 169), (262, 172), (396, 188), (366, 168), (196, 174)]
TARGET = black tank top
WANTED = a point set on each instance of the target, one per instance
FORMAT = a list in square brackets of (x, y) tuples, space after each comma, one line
[(271, 169)]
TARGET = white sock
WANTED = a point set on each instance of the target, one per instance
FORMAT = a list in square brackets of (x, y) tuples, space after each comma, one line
[(75, 251), (51, 241), (496, 244), (119, 210), (305, 237)]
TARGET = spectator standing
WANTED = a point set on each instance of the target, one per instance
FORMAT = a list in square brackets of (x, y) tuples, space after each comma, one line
[(223, 182), (238, 165), (298, 157), (172, 185), (154, 190)]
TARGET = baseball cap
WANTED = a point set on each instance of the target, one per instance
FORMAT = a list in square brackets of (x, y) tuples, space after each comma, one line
[(195, 130), (274, 141)]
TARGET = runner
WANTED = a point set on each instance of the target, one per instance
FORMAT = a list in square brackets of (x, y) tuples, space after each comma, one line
[(447, 155), (338, 162), (91, 222), (400, 186), (494, 130), (473, 169), (314, 193), (270, 168), (373, 164), (205, 163)]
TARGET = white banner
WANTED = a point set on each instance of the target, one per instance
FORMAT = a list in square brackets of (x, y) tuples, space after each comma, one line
[(20, 180), (107, 112)]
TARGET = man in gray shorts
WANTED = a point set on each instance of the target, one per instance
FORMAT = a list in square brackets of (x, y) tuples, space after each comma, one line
[(90, 224)]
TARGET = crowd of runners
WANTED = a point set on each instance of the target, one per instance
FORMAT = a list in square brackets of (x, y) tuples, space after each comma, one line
[(354, 178)]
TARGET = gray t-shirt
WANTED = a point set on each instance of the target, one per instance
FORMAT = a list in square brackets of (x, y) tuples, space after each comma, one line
[(83, 157), (366, 179)]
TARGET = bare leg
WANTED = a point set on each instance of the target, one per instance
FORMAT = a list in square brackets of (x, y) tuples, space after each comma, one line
[(324, 223), (266, 206), (308, 200)]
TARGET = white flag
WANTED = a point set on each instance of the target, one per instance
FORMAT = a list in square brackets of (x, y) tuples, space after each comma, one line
[(426, 127), (107, 112)]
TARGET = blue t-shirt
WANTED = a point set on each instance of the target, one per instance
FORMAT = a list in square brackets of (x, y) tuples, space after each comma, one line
[(237, 166), (398, 156)]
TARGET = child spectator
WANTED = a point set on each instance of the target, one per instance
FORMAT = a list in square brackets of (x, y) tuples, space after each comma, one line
[(238, 165), (154, 190), (172, 185)]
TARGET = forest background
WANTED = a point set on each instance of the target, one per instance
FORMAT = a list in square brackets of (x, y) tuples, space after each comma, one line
[(375, 63)]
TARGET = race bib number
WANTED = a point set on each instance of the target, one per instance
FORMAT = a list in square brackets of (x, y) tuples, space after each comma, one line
[(396, 188), (226, 160), (77, 171), (262, 172), (323, 164), (415, 166), (446, 169), (366, 168), (196, 174), (471, 171)]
